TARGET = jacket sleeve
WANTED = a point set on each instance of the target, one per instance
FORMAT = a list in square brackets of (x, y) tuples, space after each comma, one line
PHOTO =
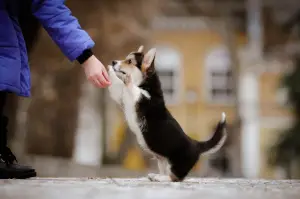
[(62, 27)]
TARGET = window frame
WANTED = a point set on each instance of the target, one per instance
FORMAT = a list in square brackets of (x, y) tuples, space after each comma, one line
[(221, 65), (177, 81)]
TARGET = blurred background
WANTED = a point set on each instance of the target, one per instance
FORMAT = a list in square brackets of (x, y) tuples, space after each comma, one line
[(236, 56)]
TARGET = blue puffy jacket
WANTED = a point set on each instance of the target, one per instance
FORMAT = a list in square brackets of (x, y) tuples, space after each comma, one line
[(62, 27)]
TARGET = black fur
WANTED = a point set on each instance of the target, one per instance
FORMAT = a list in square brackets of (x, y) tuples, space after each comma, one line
[(163, 134), (139, 59)]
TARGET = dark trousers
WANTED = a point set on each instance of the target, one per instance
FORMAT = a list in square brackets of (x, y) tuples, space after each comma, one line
[(2, 101), (3, 136)]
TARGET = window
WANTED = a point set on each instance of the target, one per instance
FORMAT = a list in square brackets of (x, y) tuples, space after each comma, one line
[(282, 96), (221, 85), (167, 79), (167, 63), (219, 76)]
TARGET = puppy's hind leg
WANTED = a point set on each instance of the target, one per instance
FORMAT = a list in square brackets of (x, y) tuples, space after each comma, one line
[(163, 166), (163, 178), (159, 178), (164, 172)]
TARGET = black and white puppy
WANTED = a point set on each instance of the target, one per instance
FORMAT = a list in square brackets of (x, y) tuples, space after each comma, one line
[(137, 88)]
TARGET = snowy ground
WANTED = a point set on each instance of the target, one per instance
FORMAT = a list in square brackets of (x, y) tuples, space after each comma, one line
[(141, 188)]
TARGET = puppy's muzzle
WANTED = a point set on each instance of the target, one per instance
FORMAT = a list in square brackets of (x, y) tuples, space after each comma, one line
[(116, 67)]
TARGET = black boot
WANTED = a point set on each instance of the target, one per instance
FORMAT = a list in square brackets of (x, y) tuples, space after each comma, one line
[(8, 167)]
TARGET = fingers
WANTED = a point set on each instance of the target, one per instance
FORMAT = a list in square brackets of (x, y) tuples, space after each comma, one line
[(99, 84), (106, 77), (95, 82), (99, 81), (97, 74), (103, 80)]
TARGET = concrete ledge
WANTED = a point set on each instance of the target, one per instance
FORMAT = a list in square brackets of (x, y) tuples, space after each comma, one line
[(192, 188)]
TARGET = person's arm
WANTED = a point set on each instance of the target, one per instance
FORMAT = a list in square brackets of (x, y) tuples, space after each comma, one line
[(64, 29), (73, 41)]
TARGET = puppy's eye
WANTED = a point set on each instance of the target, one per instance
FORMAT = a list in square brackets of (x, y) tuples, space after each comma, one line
[(129, 61)]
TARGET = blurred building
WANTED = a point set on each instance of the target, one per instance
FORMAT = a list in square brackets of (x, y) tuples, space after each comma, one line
[(212, 57), (195, 68)]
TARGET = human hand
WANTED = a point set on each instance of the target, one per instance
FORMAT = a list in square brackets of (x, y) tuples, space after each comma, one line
[(96, 73)]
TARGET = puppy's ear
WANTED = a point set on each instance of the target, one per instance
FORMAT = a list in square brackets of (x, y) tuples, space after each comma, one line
[(141, 48), (148, 61)]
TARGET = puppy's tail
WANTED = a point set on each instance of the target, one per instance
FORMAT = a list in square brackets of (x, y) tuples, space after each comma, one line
[(217, 140)]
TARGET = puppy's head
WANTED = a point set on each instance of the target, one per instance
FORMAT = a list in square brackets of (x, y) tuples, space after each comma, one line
[(137, 64)]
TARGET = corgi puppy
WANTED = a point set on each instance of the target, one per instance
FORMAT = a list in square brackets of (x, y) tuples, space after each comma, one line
[(137, 89)]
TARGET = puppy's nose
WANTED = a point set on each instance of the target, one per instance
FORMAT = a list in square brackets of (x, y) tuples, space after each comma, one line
[(114, 62)]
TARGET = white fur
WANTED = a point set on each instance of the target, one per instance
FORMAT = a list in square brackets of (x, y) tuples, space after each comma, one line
[(131, 96), (163, 166), (128, 96), (223, 117), (141, 48), (136, 74), (116, 87), (149, 57), (159, 178)]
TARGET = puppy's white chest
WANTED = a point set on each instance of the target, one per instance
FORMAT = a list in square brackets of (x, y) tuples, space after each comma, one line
[(134, 124)]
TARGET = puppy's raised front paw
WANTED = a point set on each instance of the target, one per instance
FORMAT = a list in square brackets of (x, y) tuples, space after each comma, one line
[(126, 78), (110, 70)]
